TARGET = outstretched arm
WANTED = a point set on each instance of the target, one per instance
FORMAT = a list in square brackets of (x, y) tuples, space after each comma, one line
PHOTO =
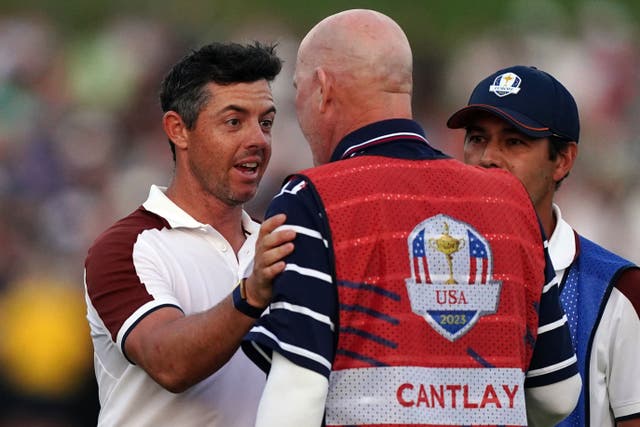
[(295, 341), (178, 351)]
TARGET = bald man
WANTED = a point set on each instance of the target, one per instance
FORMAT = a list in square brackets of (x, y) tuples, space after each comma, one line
[(418, 292)]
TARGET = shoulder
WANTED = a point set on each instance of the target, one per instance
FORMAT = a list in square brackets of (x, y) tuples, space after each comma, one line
[(592, 250), (628, 283), (624, 275), (295, 189), (299, 200), (600, 259), (124, 233)]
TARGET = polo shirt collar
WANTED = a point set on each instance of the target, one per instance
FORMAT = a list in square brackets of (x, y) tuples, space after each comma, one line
[(562, 243), (376, 134), (161, 205)]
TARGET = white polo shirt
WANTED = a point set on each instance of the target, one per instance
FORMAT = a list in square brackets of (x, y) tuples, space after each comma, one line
[(160, 256), (614, 371)]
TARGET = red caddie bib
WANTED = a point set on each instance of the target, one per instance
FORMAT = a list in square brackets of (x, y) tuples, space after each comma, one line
[(439, 268)]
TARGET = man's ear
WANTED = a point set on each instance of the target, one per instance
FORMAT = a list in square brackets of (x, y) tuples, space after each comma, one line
[(175, 128), (326, 88), (565, 161)]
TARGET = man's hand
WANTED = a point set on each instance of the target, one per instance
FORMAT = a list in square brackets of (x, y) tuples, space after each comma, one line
[(271, 247)]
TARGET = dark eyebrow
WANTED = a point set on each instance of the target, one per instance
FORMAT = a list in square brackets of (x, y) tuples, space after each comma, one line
[(271, 109), (239, 109)]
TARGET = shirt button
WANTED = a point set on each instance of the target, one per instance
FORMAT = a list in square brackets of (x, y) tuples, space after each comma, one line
[(223, 248)]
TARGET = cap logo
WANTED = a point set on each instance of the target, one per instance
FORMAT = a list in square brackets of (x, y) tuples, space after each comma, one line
[(506, 84)]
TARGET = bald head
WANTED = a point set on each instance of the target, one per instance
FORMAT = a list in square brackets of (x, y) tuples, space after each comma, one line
[(362, 46), (353, 68)]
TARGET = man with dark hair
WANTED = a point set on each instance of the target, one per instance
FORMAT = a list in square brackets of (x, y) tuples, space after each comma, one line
[(417, 293), (168, 288), (524, 120), (182, 89)]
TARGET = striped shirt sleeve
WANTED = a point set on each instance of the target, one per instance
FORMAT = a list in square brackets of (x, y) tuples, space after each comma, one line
[(554, 358), (301, 321)]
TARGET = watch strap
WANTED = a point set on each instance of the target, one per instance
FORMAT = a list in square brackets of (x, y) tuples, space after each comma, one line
[(241, 304)]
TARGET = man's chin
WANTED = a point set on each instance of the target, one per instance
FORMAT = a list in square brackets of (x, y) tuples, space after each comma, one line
[(241, 198)]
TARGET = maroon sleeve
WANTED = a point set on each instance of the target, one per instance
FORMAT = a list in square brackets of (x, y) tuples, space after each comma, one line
[(113, 285), (629, 284)]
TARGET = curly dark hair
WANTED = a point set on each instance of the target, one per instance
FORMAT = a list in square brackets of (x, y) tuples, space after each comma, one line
[(182, 89)]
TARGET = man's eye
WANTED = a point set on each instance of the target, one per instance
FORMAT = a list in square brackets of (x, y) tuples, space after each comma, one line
[(515, 142), (233, 122), (267, 123)]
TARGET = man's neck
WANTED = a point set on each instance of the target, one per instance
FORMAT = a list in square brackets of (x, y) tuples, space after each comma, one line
[(224, 218), (543, 205), (548, 220)]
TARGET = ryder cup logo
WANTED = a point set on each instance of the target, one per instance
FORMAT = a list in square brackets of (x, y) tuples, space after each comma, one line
[(506, 84), (451, 268)]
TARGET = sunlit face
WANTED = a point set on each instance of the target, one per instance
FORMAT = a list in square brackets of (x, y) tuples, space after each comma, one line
[(491, 142), (230, 145)]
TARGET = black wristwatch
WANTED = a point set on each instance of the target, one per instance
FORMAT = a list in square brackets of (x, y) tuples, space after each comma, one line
[(241, 304)]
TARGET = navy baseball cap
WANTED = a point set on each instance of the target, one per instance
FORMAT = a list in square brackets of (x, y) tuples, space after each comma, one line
[(533, 101)]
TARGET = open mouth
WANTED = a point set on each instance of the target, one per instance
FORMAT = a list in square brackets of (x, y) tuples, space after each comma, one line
[(248, 167)]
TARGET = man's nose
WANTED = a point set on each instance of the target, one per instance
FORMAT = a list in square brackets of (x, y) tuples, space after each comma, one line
[(492, 156), (257, 137)]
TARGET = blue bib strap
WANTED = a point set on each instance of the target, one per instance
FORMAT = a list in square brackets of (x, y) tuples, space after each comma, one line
[(586, 289)]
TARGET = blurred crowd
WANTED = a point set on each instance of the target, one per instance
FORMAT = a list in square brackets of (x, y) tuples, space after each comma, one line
[(81, 141)]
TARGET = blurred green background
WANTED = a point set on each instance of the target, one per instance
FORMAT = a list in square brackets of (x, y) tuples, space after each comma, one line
[(80, 138), (451, 21)]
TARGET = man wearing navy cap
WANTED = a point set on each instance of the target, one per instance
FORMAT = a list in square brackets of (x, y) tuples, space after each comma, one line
[(525, 121)]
